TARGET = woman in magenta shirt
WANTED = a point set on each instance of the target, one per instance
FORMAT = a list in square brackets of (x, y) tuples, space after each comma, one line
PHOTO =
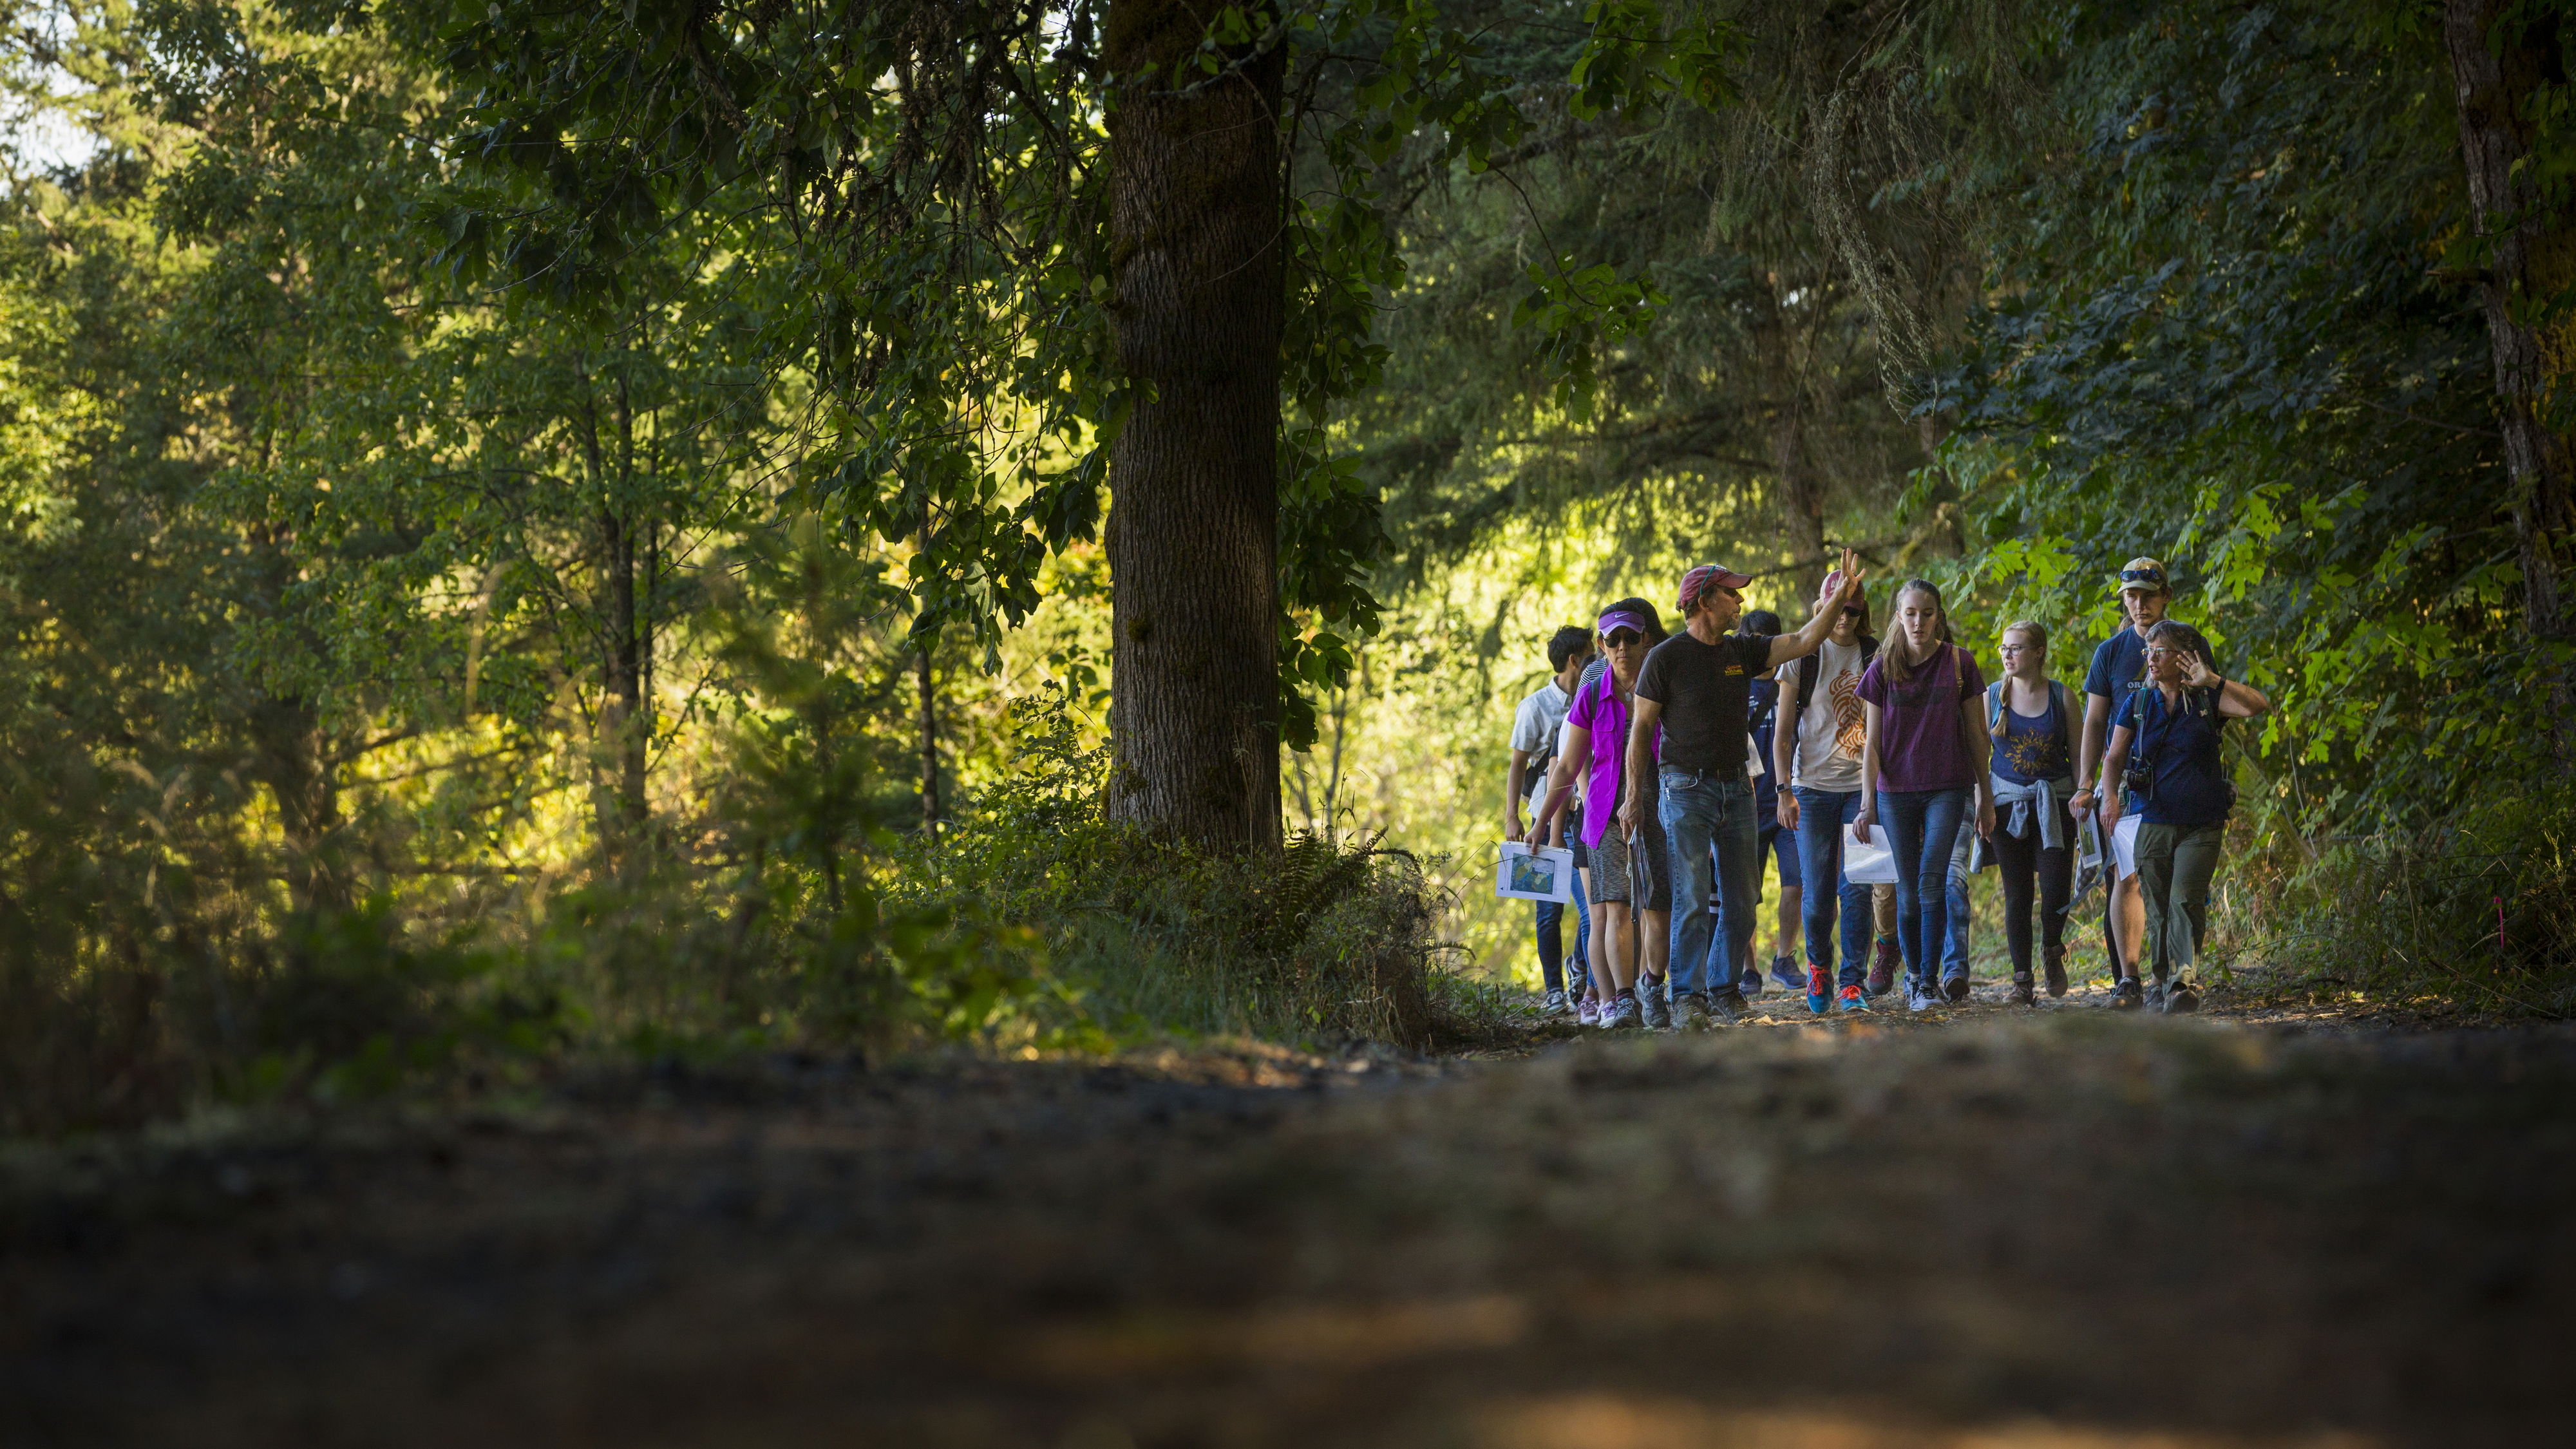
[(1922, 766), (1629, 884)]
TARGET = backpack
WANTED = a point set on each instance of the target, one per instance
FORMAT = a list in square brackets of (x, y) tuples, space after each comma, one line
[(1812, 665), (2060, 698)]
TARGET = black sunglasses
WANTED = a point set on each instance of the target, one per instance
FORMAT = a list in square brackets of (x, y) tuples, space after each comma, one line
[(1622, 638)]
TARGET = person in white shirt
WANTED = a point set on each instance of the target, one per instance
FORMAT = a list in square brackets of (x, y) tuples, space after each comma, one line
[(1816, 740), (1536, 727)]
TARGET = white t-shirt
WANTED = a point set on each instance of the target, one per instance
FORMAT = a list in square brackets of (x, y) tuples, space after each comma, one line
[(1833, 726), (1535, 727)]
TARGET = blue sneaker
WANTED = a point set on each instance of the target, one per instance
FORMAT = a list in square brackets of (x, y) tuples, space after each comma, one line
[(1818, 993), (1851, 1000)]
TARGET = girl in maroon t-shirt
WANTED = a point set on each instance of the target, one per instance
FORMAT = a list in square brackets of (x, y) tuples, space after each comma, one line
[(1922, 767)]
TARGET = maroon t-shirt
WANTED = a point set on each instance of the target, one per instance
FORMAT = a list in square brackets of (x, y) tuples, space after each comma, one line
[(1920, 746)]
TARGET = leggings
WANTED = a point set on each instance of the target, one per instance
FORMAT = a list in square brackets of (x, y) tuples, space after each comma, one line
[(2022, 863)]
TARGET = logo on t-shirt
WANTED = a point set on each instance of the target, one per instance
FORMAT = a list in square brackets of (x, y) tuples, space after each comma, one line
[(1851, 721)]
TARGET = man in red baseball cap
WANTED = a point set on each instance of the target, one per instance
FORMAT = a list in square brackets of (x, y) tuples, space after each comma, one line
[(1694, 686)]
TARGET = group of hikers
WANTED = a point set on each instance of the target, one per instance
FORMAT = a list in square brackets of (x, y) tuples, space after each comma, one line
[(1676, 765)]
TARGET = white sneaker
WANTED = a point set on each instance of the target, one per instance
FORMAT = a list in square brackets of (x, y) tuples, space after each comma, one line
[(1919, 998), (1590, 1013), (1555, 1003)]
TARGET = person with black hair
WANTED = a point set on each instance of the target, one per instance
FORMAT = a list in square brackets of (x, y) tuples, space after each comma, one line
[(1815, 741), (2165, 748), (1534, 732)]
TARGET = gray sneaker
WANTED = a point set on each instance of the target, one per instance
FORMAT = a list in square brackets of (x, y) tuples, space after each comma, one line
[(1726, 1008), (1693, 1010), (2156, 994), (1655, 1000), (1623, 1013), (1555, 1004)]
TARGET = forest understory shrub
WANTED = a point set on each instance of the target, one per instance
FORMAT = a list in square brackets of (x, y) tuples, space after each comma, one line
[(2476, 913), (1032, 924)]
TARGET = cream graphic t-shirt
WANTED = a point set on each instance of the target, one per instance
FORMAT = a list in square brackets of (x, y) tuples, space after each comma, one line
[(1832, 728)]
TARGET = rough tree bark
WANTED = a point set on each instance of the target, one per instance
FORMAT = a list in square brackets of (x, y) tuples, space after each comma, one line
[(2534, 261), (1194, 516)]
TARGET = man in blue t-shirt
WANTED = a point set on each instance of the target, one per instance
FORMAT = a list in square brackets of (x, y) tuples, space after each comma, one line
[(2119, 665)]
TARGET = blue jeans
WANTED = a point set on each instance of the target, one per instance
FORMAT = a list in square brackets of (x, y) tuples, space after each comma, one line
[(1551, 939), (1921, 827), (1954, 959), (1820, 859), (1700, 812)]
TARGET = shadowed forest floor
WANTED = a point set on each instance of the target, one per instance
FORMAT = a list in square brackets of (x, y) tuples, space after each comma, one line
[(1999, 1228)]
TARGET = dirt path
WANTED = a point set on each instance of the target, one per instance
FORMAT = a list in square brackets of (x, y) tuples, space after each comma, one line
[(2002, 1229)]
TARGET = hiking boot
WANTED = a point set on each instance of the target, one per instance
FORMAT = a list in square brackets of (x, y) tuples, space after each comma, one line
[(2021, 992), (1819, 990), (1692, 1008), (1850, 1000), (2126, 996), (2056, 968), (1555, 1003), (1624, 1012), (1655, 996), (1882, 967), (2180, 999), (1955, 987), (1726, 1008)]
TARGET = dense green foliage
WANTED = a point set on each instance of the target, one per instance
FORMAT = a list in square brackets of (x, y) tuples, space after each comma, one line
[(485, 491)]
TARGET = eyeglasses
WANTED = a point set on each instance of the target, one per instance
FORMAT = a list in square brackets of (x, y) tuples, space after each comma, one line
[(1623, 638)]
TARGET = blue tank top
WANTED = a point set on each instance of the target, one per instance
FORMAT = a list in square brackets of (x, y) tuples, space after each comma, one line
[(2033, 750)]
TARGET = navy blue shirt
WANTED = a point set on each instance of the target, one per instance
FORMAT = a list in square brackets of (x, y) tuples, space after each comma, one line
[(1762, 705), (2182, 744), (2118, 666), (2033, 750)]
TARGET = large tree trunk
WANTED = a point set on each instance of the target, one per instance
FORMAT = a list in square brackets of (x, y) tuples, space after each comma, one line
[(2533, 262), (1194, 516)]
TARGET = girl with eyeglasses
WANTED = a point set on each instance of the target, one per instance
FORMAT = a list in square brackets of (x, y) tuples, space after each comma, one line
[(1631, 892), (2172, 730), (2032, 723), (1923, 768)]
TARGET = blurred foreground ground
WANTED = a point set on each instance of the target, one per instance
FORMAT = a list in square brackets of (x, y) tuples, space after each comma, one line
[(2008, 1229)]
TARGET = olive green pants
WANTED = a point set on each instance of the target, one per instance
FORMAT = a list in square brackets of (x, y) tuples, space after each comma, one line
[(2175, 863)]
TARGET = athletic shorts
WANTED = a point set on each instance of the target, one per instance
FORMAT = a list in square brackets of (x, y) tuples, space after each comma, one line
[(2124, 844), (1634, 878)]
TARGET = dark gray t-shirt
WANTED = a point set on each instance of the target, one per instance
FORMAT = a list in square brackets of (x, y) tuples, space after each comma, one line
[(1703, 689)]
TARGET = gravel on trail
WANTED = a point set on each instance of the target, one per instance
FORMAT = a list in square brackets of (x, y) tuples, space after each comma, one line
[(1999, 1228)]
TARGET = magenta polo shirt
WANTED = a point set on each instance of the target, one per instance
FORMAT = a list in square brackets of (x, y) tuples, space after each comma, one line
[(1598, 708)]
